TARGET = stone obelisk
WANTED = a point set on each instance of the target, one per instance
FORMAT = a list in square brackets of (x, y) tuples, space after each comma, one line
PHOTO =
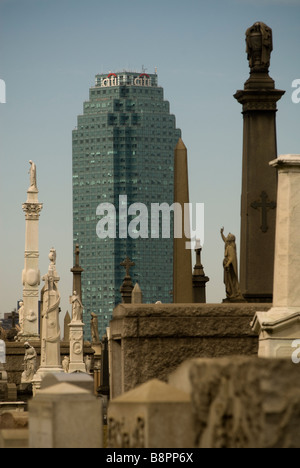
[(50, 338), (31, 274), (259, 184), (183, 281)]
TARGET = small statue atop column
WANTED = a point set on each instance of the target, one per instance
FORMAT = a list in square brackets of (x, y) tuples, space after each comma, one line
[(77, 307), (231, 282), (32, 172)]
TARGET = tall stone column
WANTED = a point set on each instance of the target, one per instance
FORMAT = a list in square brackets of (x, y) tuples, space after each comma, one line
[(280, 326), (31, 274), (258, 203)]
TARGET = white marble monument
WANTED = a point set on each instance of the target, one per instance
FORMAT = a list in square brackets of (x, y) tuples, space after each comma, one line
[(280, 326), (76, 336), (31, 274), (50, 338)]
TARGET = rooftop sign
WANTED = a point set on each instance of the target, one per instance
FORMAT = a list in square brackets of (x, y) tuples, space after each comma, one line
[(124, 79)]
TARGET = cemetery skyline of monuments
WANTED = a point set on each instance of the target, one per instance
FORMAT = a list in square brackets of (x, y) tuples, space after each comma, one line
[(175, 85), (189, 359)]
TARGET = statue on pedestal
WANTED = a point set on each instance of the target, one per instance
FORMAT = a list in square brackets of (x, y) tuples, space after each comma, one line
[(77, 307), (259, 45), (30, 362), (231, 282), (50, 351), (32, 172)]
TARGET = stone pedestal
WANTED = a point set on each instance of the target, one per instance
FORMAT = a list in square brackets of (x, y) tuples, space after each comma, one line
[(258, 202), (31, 273), (154, 415), (65, 416), (76, 347), (279, 327)]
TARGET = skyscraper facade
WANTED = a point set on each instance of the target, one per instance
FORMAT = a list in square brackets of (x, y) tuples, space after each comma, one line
[(123, 154)]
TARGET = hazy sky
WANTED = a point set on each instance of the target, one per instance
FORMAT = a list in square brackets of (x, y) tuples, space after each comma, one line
[(50, 51)]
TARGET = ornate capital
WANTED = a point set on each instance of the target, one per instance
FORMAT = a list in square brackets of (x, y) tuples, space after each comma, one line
[(32, 210)]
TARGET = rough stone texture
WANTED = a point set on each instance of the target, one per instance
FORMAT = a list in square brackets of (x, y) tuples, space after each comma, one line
[(246, 402), (153, 415), (151, 341)]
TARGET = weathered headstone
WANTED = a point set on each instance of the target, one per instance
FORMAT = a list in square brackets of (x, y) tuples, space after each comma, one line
[(258, 213), (154, 415), (65, 416), (279, 327)]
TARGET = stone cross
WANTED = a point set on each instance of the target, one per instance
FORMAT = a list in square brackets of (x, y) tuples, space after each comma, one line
[(127, 264), (264, 205), (127, 286)]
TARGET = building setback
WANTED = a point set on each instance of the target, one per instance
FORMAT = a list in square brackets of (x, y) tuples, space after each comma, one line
[(123, 146)]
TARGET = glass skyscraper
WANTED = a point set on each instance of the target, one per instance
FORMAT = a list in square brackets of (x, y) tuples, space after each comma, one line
[(123, 146)]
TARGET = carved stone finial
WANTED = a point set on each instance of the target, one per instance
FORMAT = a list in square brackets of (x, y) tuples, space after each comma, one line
[(259, 45)]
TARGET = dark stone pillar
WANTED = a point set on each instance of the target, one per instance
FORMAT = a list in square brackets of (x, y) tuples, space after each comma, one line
[(259, 183)]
